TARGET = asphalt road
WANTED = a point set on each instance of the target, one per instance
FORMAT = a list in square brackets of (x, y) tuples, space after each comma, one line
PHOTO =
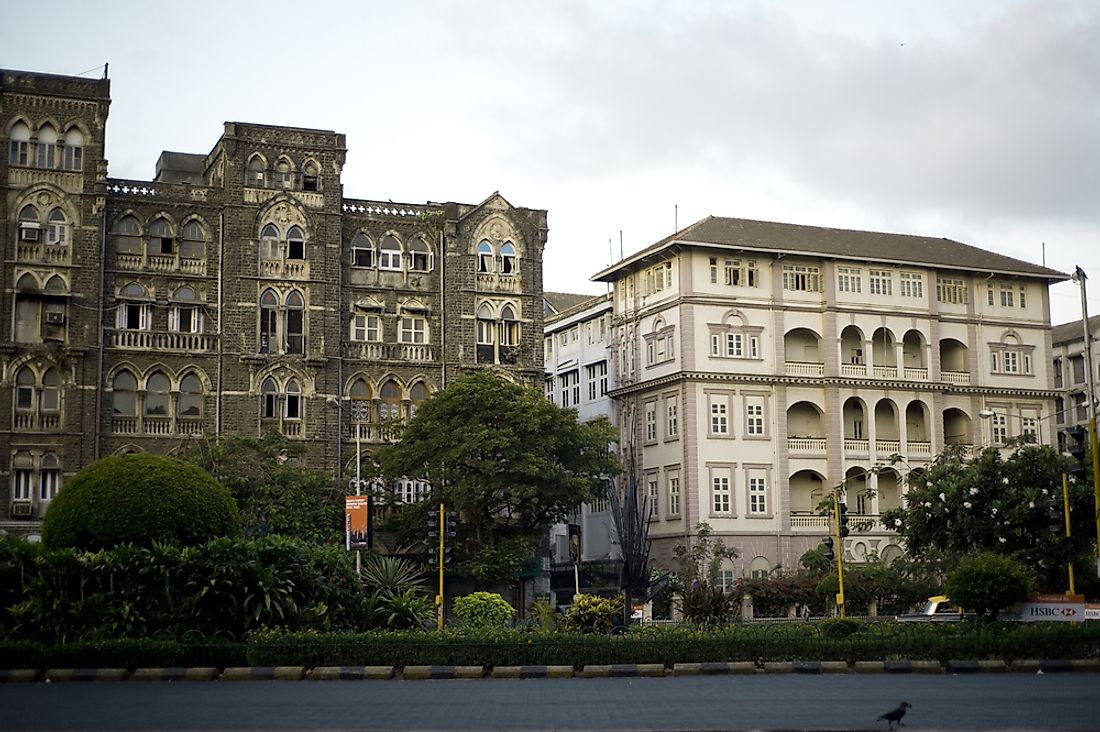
[(761, 702)]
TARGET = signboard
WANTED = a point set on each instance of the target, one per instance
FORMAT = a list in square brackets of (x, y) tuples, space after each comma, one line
[(357, 522), (1053, 607)]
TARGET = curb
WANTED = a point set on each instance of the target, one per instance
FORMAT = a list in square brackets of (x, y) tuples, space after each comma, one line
[(531, 672), (86, 674), (349, 673), (623, 670), (174, 674), (713, 668), (19, 675), (442, 672)]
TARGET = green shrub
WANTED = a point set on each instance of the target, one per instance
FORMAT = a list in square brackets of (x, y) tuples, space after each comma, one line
[(709, 607), (139, 499), (839, 627), (483, 610), (986, 583), (591, 614)]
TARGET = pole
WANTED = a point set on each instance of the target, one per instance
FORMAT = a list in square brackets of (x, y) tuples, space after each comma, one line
[(439, 597), (357, 413), (1065, 511), (839, 555), (1080, 276)]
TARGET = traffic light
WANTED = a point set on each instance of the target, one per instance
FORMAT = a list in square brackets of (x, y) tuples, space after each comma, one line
[(433, 526), (1076, 446), (827, 547), (842, 519), (433, 556), (450, 524)]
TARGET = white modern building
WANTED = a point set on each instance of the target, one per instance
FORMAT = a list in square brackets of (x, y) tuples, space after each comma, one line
[(1070, 370), (759, 365)]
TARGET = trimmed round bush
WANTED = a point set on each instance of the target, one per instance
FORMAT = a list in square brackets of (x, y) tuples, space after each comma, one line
[(483, 610), (139, 499)]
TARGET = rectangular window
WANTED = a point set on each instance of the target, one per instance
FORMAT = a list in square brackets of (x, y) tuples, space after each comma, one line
[(659, 277), (49, 479), (799, 278), (18, 152), (735, 275), (999, 427), (570, 388), (21, 484), (849, 280), (188, 319), (1006, 295), (735, 345), (1023, 296), (654, 494), (549, 386), (413, 330), (952, 290), (754, 419), (758, 494), (912, 284), (1011, 362), (389, 258), (596, 375), (719, 418), (366, 328), (881, 282), (720, 493), (46, 155), (1030, 428), (673, 493), (672, 423), (362, 257), (713, 266), (651, 421)]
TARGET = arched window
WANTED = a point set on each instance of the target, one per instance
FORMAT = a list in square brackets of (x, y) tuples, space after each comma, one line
[(310, 177), (124, 395), (284, 174), (269, 242), (134, 312), (46, 150), (185, 315), (24, 390), (22, 476), (360, 400), (389, 406), (509, 327), (507, 258), (486, 327), (295, 243), (295, 323), (57, 231), (256, 172), (293, 400), (389, 253), (161, 239), (51, 391), (269, 399), (417, 396), (128, 236), (30, 229), (362, 250), (190, 401), (484, 257), (269, 318), (19, 145), (156, 395), (73, 153), (193, 241), (49, 477), (420, 256)]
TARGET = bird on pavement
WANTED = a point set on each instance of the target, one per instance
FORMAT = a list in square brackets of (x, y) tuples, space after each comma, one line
[(895, 715)]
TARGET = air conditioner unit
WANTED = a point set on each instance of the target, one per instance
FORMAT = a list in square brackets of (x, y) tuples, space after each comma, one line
[(55, 318), (28, 233), (22, 509)]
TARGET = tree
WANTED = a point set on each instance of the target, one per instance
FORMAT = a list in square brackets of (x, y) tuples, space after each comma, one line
[(1006, 505), (139, 499), (509, 461), (986, 583), (275, 492)]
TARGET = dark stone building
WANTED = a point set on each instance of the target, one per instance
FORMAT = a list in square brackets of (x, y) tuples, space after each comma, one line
[(237, 291)]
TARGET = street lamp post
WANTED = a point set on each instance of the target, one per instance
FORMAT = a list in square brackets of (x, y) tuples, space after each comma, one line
[(356, 415), (1079, 277)]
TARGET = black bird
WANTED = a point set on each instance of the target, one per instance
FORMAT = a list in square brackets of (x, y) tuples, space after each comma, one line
[(895, 715)]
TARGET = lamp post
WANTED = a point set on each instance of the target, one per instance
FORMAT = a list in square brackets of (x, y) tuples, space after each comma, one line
[(356, 415), (1079, 277)]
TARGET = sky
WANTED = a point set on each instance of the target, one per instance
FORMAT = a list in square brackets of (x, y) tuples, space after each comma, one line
[(975, 121)]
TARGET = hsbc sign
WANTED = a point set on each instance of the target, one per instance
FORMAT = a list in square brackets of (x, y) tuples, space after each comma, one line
[(1053, 608)]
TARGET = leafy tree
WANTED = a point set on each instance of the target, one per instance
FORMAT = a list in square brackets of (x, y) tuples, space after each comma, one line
[(510, 462), (986, 583), (483, 610), (1006, 505), (701, 560), (139, 499), (276, 493)]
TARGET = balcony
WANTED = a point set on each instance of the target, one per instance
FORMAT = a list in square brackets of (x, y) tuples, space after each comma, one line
[(888, 447), (498, 282), (855, 446), (812, 522), (885, 372), (165, 263), (955, 377), (804, 368), (407, 352), (913, 373), (36, 422), (39, 252), (919, 448), (853, 369), (155, 425), (295, 269), (806, 445), (144, 340)]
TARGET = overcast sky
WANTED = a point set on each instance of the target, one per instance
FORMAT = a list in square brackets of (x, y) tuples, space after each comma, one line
[(977, 121)]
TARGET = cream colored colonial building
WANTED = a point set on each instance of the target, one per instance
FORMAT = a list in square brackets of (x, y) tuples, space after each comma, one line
[(759, 365)]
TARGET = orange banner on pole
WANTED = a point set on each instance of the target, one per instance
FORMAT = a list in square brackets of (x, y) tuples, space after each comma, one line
[(357, 522)]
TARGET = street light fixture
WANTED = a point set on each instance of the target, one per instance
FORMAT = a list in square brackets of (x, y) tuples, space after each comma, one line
[(1079, 277)]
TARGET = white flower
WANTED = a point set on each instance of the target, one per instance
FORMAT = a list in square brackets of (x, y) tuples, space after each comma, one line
[(974, 491), (943, 497), (1046, 492), (1031, 504), (994, 510), (928, 504), (1005, 480), (927, 484), (897, 522), (968, 504), (1001, 539)]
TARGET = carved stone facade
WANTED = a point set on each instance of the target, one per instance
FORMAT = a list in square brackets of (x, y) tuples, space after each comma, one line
[(237, 291)]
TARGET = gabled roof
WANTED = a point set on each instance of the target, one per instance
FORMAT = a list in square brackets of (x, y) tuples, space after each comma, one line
[(559, 302), (776, 238), (1070, 332)]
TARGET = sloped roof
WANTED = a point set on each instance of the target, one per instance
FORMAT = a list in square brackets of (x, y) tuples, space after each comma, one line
[(559, 302), (816, 241), (1069, 332)]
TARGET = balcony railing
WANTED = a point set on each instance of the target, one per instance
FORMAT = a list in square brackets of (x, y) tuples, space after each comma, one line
[(409, 352), (853, 369), (805, 368), (886, 372), (36, 421), (856, 446), (145, 340), (955, 377), (888, 447), (167, 263), (806, 445), (498, 282), (920, 448), (42, 252), (915, 373), (156, 425), (291, 268), (811, 521)]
